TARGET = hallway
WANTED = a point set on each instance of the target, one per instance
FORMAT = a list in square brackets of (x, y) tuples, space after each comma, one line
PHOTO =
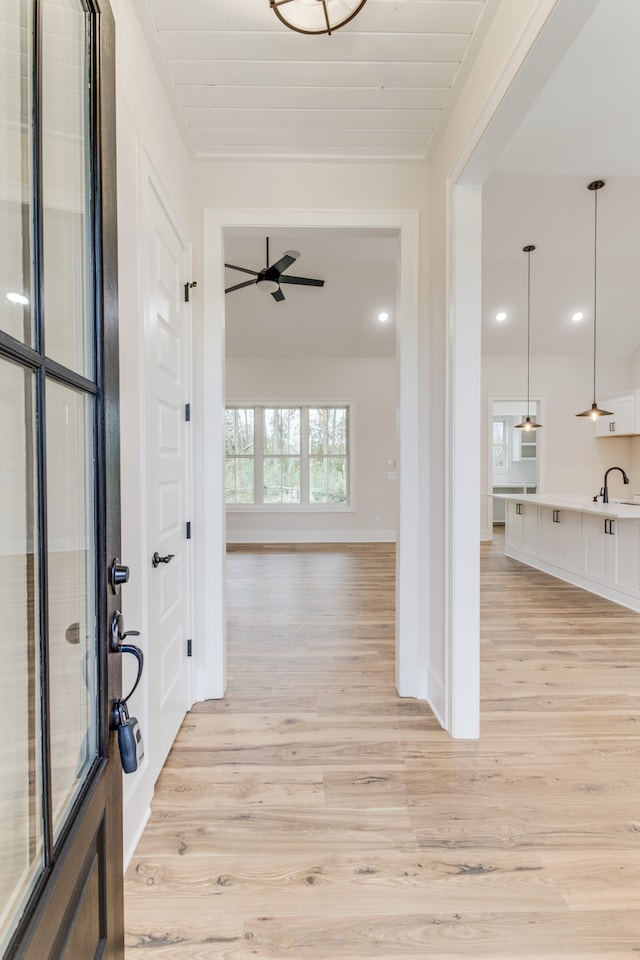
[(314, 815)]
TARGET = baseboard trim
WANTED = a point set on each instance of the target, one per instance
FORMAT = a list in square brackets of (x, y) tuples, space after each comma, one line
[(135, 839), (311, 536), (435, 697)]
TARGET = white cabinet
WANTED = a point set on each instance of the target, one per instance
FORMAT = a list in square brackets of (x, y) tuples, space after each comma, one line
[(599, 559), (499, 512), (560, 538), (612, 553), (626, 573), (594, 551), (522, 527), (625, 416)]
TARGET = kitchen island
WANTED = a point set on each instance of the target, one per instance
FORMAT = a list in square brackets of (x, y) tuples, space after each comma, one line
[(593, 545)]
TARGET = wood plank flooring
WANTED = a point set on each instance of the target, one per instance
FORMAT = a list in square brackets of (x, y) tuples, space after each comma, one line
[(314, 815)]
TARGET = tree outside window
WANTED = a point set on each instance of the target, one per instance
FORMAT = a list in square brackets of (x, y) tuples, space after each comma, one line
[(287, 455)]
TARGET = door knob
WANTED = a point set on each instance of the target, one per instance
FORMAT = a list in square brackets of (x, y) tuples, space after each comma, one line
[(157, 559)]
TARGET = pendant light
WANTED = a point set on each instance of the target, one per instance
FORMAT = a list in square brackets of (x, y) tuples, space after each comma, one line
[(594, 411), (528, 423), (316, 16)]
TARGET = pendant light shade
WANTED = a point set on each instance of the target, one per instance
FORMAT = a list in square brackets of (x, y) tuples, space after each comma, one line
[(594, 411), (528, 423), (316, 16)]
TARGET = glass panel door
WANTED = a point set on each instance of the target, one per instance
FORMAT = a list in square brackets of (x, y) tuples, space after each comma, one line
[(65, 187), (50, 718), (16, 245), (71, 593), (21, 824)]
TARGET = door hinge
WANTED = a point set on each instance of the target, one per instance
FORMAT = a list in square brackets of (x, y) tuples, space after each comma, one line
[(188, 529), (187, 288), (189, 648), (187, 412)]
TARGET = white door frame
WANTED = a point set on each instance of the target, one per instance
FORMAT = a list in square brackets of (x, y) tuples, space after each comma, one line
[(210, 567)]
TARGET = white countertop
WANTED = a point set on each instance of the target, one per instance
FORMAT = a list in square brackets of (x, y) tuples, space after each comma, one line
[(581, 504)]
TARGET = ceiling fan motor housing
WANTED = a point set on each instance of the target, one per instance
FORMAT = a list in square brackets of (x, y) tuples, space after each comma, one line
[(268, 279)]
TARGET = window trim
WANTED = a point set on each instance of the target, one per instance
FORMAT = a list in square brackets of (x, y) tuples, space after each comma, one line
[(506, 446), (304, 406)]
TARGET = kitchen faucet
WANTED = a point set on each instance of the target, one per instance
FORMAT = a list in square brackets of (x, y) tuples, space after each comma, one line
[(604, 493)]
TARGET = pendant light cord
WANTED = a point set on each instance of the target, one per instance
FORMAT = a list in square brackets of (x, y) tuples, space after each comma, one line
[(528, 326), (595, 411), (595, 283)]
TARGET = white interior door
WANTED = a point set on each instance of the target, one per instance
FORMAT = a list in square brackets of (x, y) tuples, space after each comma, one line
[(168, 366)]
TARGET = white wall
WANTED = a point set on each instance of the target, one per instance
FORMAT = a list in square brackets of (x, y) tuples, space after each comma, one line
[(371, 384), (571, 459)]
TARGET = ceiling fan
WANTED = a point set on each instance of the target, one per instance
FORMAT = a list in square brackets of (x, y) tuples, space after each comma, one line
[(270, 277)]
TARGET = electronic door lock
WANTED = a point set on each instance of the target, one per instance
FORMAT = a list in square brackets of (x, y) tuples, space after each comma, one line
[(129, 738), (129, 734)]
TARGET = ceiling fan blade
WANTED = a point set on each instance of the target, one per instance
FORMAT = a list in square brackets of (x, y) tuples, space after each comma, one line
[(305, 281), (239, 286), (287, 258), (231, 266), (278, 294)]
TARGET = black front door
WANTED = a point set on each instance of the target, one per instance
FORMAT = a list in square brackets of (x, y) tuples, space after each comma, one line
[(60, 786)]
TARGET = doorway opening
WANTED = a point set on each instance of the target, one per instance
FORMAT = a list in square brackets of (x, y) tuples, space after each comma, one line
[(403, 226), (514, 454)]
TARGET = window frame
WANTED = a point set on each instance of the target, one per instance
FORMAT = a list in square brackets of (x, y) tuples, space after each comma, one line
[(304, 506), (506, 446)]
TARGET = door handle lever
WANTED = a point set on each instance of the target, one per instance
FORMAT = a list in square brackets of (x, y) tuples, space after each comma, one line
[(118, 636), (118, 645), (156, 559)]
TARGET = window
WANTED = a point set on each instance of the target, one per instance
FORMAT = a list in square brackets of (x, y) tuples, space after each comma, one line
[(287, 456), (239, 434), (281, 458), (499, 444)]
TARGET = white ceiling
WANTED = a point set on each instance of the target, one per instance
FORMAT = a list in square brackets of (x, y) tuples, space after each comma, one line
[(336, 320), (584, 126), (246, 86)]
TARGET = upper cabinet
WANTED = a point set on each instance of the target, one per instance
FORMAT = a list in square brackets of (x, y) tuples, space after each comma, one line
[(625, 416)]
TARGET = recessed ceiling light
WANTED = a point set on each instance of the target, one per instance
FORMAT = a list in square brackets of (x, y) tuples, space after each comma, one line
[(383, 316), (501, 316), (18, 298), (577, 317)]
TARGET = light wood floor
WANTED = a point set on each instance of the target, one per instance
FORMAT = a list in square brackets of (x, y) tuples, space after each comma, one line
[(313, 815)]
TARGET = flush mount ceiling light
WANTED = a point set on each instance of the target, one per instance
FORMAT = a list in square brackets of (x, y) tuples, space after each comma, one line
[(528, 423), (577, 317), (594, 411), (316, 16), (501, 316), (383, 316)]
